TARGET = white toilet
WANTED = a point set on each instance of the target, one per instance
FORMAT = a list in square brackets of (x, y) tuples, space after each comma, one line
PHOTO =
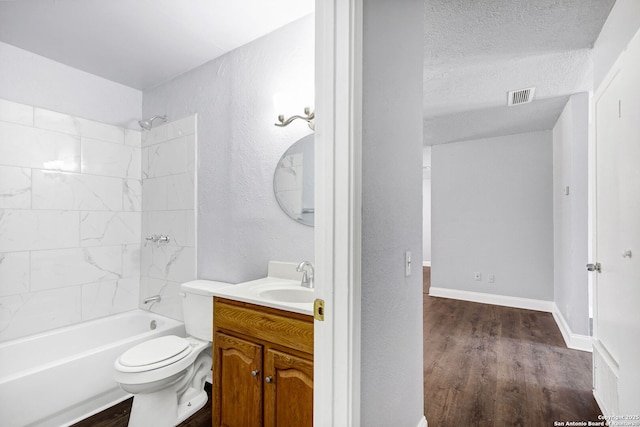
[(166, 375)]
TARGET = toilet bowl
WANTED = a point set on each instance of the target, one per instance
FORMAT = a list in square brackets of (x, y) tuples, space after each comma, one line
[(166, 375)]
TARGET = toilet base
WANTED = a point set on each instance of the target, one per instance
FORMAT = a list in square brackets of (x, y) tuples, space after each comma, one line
[(177, 401), (186, 409), (154, 409), (161, 409)]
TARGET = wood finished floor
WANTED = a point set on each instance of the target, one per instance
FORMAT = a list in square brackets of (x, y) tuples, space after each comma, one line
[(118, 415), (484, 365), (487, 365)]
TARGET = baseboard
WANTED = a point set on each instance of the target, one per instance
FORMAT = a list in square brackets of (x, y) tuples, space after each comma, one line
[(426, 263), (423, 422), (574, 341), (507, 301)]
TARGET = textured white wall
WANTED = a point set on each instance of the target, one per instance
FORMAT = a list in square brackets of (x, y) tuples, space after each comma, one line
[(392, 371), (492, 212), (240, 225), (31, 79), (621, 25), (570, 213)]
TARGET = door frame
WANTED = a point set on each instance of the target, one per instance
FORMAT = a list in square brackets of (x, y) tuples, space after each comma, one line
[(338, 173)]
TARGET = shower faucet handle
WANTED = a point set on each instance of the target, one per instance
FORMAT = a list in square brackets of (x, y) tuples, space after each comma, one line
[(163, 239), (157, 239)]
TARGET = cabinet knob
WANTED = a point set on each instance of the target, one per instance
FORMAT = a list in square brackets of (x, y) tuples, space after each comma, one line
[(269, 379), (255, 373)]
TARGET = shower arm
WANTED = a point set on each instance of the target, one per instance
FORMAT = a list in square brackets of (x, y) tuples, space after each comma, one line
[(148, 123)]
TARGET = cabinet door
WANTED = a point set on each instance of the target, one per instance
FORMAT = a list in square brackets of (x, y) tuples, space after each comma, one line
[(237, 382), (288, 390)]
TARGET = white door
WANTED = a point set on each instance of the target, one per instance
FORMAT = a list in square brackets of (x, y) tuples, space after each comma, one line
[(617, 238)]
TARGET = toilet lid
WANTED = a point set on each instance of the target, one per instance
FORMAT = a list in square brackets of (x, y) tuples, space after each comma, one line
[(155, 351)]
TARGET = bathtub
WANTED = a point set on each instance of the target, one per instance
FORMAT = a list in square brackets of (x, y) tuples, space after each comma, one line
[(59, 377)]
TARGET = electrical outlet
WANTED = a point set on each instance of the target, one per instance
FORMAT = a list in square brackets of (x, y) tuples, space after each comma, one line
[(491, 278), (477, 276)]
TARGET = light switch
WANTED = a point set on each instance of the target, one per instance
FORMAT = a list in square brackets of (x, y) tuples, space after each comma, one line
[(407, 263)]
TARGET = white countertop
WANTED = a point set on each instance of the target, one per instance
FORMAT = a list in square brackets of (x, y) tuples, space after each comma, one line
[(255, 291)]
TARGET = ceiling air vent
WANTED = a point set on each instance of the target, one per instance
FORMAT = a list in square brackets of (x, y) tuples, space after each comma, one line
[(521, 96)]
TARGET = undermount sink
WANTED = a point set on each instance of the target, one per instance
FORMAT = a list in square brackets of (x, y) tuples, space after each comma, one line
[(289, 294)]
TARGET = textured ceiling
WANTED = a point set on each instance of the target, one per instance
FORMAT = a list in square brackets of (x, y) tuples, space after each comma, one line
[(461, 30), (141, 43), (477, 51)]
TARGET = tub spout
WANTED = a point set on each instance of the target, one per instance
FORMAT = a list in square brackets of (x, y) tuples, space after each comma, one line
[(155, 298)]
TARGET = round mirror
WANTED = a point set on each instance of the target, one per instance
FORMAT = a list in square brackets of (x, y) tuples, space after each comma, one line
[(293, 181)]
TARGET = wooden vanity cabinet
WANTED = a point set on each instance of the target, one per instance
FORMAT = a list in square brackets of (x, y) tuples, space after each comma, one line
[(263, 366), (237, 393)]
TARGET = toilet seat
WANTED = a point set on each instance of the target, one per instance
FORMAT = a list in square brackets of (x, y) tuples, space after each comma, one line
[(154, 354)]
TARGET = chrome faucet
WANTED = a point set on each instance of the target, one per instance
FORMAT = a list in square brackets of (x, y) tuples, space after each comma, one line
[(154, 299), (307, 274)]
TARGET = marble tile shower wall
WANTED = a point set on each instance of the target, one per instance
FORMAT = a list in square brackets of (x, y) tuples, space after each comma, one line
[(70, 219), (168, 205)]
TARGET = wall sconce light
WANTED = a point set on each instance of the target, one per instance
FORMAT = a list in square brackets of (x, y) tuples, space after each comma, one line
[(308, 117)]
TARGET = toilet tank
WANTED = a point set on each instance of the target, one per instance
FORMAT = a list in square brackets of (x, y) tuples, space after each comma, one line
[(197, 307)]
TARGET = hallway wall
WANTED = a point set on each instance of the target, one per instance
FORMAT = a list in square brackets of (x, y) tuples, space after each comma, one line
[(570, 213), (392, 388), (492, 213)]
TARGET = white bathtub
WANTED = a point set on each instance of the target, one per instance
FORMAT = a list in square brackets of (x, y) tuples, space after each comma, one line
[(59, 377)]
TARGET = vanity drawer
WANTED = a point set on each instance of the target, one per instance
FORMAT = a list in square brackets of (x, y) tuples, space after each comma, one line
[(291, 330)]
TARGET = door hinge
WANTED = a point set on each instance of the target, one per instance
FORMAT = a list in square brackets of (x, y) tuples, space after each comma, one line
[(594, 267), (318, 310)]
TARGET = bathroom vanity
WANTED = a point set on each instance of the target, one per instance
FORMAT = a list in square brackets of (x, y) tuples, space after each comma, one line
[(263, 366), (263, 353)]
